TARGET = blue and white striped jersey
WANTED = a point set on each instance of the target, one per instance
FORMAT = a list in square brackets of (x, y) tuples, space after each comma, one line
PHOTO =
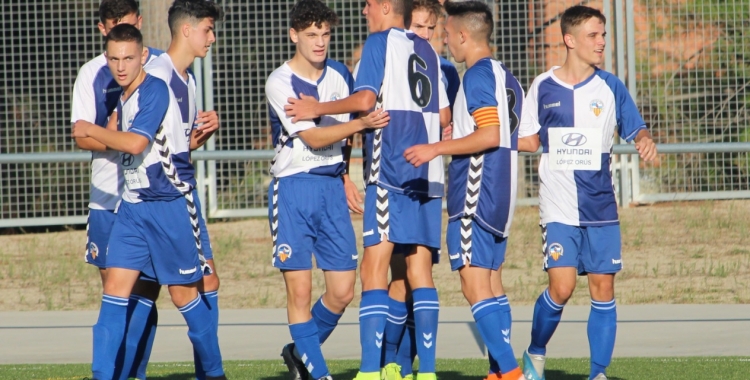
[(450, 80), (403, 70), (183, 90), (292, 154), (95, 96), (148, 109), (484, 185), (576, 127)]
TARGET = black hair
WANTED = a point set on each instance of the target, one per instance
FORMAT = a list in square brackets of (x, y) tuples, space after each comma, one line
[(577, 15), (311, 12), (116, 9), (477, 15), (195, 10), (124, 33)]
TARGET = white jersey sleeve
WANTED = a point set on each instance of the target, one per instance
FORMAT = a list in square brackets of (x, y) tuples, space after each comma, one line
[(529, 125), (278, 91)]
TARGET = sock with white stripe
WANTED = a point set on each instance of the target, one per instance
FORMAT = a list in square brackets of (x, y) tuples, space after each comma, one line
[(407, 348), (547, 316), (507, 321), (373, 311), (149, 344), (394, 329), (426, 310), (202, 333), (325, 319), (602, 329), (108, 333), (488, 315), (136, 335), (307, 344), (211, 299)]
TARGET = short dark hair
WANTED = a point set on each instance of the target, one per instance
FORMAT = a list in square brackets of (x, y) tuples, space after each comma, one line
[(476, 14), (124, 33), (116, 9), (431, 6), (577, 15), (195, 10), (309, 12), (401, 7)]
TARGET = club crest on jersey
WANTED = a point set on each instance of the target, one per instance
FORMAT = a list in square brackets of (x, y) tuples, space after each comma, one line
[(335, 96), (596, 106), (284, 252), (555, 251), (93, 250)]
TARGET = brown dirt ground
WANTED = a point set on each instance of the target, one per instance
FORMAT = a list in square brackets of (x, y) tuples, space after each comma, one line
[(689, 252)]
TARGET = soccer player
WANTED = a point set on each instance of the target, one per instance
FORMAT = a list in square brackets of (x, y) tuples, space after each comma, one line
[(400, 339), (308, 212), (191, 23), (482, 187), (399, 72), (154, 227), (573, 111), (95, 95)]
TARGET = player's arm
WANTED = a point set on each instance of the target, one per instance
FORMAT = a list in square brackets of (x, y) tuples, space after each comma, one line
[(127, 142), (644, 144), (89, 143), (208, 124), (308, 108), (353, 198), (529, 143), (485, 137), (323, 136), (529, 127)]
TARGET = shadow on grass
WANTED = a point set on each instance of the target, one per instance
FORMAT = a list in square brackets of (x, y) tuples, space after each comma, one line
[(175, 376), (284, 375), (553, 374)]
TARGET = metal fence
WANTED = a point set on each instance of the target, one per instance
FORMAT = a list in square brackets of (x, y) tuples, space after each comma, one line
[(689, 60)]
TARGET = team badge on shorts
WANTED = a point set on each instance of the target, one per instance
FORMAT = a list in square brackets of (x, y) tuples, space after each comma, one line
[(555, 251), (284, 252), (596, 107), (93, 250)]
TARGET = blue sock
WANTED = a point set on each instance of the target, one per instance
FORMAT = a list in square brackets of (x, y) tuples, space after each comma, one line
[(148, 345), (426, 309), (506, 324), (547, 316), (394, 329), (325, 319), (202, 333), (488, 315), (139, 311), (407, 349), (108, 333), (307, 343), (602, 328), (211, 299), (373, 310)]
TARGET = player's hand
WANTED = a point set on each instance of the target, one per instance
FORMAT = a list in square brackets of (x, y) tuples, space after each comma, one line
[(81, 129), (207, 122), (376, 119), (420, 154), (302, 108), (646, 148), (448, 132), (353, 198)]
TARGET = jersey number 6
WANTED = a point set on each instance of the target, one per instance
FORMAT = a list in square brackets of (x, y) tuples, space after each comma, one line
[(419, 83)]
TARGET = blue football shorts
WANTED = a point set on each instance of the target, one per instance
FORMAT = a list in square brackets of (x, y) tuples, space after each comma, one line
[(594, 250)]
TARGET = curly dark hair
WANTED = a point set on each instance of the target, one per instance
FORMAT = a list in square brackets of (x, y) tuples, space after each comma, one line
[(309, 12), (116, 9), (194, 10)]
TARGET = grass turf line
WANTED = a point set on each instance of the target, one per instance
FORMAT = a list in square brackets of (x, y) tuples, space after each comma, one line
[(671, 368)]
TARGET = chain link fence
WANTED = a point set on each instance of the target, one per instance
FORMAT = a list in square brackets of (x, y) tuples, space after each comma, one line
[(689, 58)]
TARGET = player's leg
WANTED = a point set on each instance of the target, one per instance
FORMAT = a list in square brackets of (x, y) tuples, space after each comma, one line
[(426, 307), (561, 261), (496, 282), (142, 321), (200, 328), (329, 308), (373, 309), (397, 313), (208, 287), (601, 258)]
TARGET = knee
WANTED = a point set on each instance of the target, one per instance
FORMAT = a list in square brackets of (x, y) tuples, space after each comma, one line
[(602, 290), (298, 297), (182, 295), (561, 293), (210, 283), (340, 298)]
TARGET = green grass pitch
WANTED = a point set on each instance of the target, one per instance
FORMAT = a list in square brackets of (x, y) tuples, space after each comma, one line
[(724, 368)]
